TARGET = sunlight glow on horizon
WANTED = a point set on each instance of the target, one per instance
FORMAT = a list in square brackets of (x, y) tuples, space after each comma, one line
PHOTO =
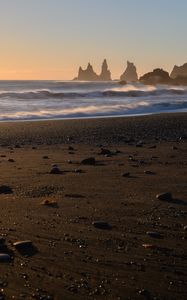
[(50, 39)]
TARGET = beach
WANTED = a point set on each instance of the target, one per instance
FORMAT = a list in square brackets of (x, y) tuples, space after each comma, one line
[(97, 229)]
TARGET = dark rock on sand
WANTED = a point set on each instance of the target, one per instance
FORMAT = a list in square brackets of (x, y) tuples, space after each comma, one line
[(127, 174), (55, 170), (5, 189), (25, 248), (50, 203), (102, 225), (89, 161), (164, 197), (11, 160), (4, 258), (104, 151), (154, 234)]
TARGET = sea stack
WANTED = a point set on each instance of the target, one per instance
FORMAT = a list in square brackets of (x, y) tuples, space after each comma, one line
[(105, 72), (88, 74), (130, 74), (179, 71), (158, 76)]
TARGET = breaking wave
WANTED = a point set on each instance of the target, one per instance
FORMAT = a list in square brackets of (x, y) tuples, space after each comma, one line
[(49, 99)]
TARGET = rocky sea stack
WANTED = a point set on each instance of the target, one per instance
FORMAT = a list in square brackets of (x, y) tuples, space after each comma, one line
[(90, 75), (130, 74)]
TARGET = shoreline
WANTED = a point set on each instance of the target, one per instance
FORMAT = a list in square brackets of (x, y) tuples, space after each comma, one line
[(113, 130)]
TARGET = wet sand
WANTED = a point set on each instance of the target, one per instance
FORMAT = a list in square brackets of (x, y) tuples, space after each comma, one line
[(140, 253)]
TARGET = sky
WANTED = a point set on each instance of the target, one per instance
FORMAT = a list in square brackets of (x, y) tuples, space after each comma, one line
[(50, 39)]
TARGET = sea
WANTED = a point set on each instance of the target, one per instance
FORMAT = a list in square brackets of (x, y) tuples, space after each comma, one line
[(40, 100)]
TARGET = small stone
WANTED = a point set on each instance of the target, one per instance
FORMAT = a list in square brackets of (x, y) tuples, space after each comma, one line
[(164, 197), (149, 172), (51, 203), (127, 174), (11, 160), (55, 170), (22, 244), (4, 257), (185, 227), (5, 189), (104, 152), (89, 161), (102, 225), (70, 148), (154, 234), (149, 246), (45, 157), (2, 240)]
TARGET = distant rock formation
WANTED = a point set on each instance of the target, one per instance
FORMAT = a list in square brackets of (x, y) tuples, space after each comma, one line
[(158, 76), (130, 74), (89, 74), (179, 71), (105, 72)]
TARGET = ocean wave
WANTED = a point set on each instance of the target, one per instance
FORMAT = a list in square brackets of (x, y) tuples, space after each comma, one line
[(47, 94)]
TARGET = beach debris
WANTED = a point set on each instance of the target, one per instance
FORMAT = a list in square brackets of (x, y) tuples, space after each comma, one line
[(50, 203), (4, 258), (126, 174), (154, 234), (45, 157), (5, 189), (102, 225), (55, 170), (89, 161), (165, 196), (185, 227)]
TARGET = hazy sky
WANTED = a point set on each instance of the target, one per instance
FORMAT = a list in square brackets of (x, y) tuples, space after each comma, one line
[(49, 39)]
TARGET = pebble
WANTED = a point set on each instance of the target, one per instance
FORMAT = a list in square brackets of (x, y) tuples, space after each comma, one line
[(19, 245), (127, 174), (164, 197), (51, 203), (55, 170), (105, 151), (5, 189), (5, 257), (89, 161), (102, 225), (149, 172), (154, 234), (11, 160)]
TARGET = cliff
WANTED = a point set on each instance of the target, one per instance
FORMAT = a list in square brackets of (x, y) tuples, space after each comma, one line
[(130, 74)]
